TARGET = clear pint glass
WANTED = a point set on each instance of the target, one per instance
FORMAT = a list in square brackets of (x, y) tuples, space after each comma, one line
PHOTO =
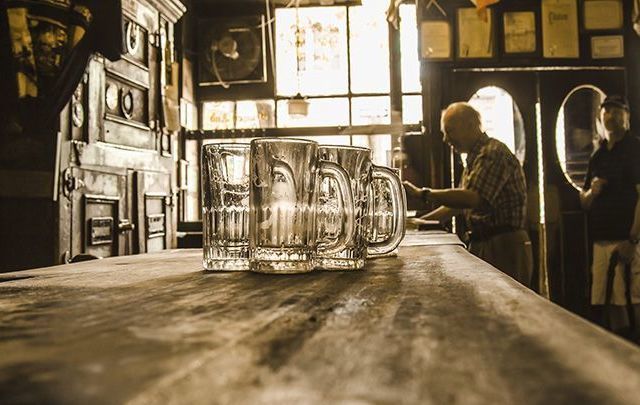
[(225, 206), (363, 174), (285, 175)]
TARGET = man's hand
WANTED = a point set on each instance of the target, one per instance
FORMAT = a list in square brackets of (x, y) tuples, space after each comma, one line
[(597, 184), (626, 251), (415, 191)]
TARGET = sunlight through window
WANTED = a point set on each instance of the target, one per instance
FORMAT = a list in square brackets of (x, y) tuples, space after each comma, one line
[(322, 112), (369, 47), (501, 118), (410, 61), (322, 65)]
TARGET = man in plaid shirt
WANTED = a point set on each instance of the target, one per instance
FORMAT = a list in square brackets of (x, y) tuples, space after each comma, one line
[(492, 195)]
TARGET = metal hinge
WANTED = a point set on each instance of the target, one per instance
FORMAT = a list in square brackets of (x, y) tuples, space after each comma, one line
[(70, 183), (77, 149), (154, 39), (170, 200)]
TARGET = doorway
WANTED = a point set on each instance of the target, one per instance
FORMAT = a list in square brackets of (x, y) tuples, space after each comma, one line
[(569, 104)]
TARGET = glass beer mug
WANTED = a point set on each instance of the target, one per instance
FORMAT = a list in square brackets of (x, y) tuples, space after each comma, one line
[(362, 173), (285, 175), (225, 206), (384, 217)]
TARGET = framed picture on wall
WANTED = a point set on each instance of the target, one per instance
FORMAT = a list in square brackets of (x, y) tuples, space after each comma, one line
[(602, 14), (560, 29), (607, 47), (475, 35), (519, 31), (435, 40)]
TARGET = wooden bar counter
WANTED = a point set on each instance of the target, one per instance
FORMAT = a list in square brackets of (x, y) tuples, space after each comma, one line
[(433, 325)]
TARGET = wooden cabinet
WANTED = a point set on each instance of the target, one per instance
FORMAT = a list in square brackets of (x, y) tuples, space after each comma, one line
[(113, 185)]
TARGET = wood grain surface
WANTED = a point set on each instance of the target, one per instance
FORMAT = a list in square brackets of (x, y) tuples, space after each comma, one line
[(434, 325)]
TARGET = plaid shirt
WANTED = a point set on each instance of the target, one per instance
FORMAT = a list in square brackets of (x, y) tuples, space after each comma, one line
[(494, 172)]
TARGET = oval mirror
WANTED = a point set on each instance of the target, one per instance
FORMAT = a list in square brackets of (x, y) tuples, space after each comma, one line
[(577, 131)]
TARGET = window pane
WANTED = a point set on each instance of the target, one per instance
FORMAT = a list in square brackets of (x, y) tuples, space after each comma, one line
[(370, 110), (329, 139), (409, 49), (322, 112), (501, 118), (380, 146), (411, 109), (322, 57), (369, 48), (227, 140), (255, 114), (217, 115)]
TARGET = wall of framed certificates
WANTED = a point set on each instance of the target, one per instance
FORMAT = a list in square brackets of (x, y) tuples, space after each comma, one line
[(539, 32)]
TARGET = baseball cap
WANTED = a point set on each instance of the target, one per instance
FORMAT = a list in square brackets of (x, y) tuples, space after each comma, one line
[(615, 100)]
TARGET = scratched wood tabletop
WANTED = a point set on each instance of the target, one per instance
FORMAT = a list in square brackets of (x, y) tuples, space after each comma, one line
[(433, 325)]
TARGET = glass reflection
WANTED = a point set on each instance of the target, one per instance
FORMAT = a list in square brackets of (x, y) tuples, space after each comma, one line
[(577, 132)]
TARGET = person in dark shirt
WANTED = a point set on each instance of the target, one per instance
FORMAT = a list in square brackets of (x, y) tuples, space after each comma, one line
[(610, 195), (492, 195)]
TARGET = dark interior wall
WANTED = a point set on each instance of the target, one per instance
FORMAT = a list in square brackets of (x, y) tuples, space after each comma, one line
[(25, 239)]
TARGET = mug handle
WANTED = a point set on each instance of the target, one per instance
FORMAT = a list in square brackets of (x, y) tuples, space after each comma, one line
[(399, 204), (335, 171)]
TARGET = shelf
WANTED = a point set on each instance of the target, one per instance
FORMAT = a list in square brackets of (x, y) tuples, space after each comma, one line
[(302, 131)]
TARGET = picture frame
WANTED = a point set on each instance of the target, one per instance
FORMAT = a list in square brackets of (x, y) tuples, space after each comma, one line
[(607, 47), (475, 34), (435, 40), (519, 32), (602, 15), (560, 37)]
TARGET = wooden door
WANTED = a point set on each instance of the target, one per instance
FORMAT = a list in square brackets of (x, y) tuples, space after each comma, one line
[(565, 221), (99, 207), (153, 207)]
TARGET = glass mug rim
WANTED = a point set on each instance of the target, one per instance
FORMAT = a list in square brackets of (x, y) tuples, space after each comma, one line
[(285, 139), (226, 146), (347, 147)]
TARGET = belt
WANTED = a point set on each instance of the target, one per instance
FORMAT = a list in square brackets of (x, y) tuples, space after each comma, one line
[(486, 234)]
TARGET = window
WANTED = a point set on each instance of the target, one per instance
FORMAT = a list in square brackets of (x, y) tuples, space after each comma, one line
[(369, 48), (319, 65), (410, 64), (322, 112), (501, 118), (342, 69)]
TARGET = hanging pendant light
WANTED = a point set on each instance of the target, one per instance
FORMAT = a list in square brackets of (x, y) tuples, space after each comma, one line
[(298, 105)]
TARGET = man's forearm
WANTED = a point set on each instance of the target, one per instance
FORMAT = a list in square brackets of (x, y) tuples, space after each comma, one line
[(442, 214), (456, 198)]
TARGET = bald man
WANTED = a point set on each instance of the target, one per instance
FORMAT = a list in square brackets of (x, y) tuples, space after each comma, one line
[(492, 195)]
